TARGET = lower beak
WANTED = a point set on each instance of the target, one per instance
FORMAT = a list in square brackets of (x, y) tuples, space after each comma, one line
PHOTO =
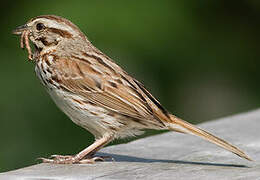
[(19, 30)]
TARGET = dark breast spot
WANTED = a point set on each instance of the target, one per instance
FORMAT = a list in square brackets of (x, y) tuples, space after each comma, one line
[(47, 61), (49, 71)]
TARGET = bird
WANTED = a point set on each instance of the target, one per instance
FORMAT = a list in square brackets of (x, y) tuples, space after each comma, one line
[(95, 92)]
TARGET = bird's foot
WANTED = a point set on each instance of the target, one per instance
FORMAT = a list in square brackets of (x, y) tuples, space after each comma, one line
[(68, 159)]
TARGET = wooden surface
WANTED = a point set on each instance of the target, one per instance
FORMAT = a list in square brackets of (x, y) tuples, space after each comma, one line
[(168, 156)]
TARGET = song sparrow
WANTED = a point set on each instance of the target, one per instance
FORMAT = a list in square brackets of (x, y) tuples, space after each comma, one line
[(94, 91)]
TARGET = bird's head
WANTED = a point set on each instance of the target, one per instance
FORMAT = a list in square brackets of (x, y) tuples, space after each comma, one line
[(48, 32)]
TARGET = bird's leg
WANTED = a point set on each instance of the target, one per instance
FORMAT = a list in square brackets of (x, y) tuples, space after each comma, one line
[(80, 157)]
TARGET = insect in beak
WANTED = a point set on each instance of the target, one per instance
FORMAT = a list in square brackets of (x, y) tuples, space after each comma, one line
[(24, 32)]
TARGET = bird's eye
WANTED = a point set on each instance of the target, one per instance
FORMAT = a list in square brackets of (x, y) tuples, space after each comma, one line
[(40, 26)]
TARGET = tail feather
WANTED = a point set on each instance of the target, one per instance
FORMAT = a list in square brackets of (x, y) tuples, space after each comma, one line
[(180, 125)]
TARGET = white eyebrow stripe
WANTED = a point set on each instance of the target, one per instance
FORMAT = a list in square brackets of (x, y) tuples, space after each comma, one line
[(53, 24)]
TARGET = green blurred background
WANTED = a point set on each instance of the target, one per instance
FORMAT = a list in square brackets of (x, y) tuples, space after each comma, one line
[(199, 58)]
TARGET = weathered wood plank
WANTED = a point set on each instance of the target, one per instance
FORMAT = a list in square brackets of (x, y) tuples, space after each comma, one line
[(168, 156)]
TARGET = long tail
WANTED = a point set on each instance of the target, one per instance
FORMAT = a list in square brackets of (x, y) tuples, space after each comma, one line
[(180, 125)]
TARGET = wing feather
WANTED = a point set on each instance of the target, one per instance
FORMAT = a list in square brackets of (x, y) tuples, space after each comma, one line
[(108, 90)]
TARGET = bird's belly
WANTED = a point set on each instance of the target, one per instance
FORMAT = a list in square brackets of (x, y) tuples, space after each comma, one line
[(85, 114)]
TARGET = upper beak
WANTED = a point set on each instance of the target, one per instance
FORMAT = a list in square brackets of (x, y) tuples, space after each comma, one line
[(19, 30)]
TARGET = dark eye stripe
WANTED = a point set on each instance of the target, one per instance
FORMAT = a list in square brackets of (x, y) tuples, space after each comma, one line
[(62, 33)]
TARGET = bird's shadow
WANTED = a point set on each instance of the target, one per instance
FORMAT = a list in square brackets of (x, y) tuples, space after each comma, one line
[(126, 158)]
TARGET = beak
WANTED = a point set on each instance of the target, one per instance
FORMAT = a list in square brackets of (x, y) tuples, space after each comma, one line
[(19, 30)]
